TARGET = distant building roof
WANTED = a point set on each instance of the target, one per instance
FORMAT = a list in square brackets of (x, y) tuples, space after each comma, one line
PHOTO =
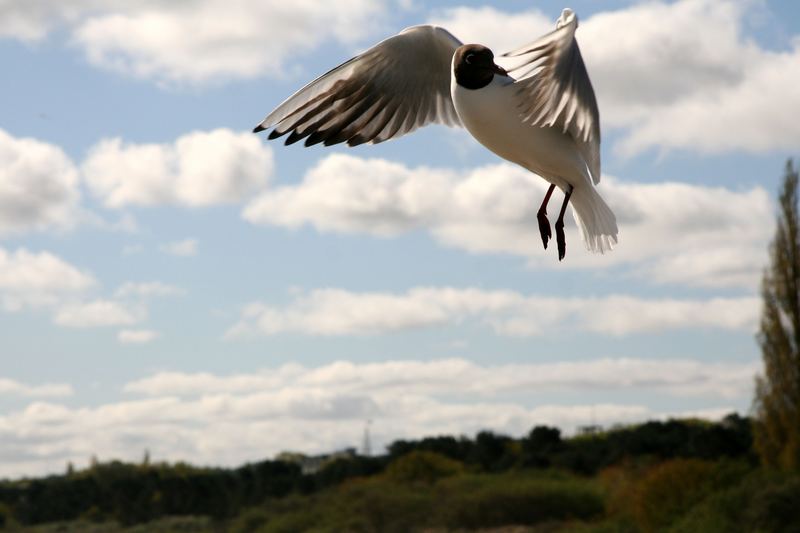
[(311, 464)]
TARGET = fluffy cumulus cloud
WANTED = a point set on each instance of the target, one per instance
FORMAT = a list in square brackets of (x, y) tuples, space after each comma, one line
[(127, 306), (348, 194), (339, 312), (46, 283), (38, 279), (192, 41), (681, 74), (669, 232), (38, 186), (229, 419), (199, 169), (749, 116)]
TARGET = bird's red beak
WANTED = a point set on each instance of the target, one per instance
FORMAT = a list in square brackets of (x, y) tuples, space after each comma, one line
[(499, 70)]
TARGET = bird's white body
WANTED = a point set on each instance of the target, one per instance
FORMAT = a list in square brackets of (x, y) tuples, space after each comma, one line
[(491, 115)]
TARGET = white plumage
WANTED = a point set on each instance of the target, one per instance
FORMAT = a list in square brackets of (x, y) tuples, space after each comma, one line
[(540, 114)]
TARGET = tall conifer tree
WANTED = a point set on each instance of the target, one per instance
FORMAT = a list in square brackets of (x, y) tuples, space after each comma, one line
[(777, 401)]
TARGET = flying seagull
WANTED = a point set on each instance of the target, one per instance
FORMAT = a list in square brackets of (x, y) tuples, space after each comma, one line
[(541, 113)]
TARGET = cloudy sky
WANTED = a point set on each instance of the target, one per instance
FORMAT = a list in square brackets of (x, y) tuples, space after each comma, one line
[(170, 281)]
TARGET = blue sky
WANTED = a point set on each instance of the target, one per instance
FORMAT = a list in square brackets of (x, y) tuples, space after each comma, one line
[(170, 281)]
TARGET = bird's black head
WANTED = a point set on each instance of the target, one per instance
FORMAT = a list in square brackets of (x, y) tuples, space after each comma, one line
[(474, 66)]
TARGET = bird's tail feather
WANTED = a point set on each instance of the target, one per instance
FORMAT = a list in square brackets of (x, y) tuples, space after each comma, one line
[(596, 222)]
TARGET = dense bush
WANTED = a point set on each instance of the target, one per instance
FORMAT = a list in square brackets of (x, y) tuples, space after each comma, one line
[(471, 501), (422, 466), (491, 501), (668, 489), (762, 501)]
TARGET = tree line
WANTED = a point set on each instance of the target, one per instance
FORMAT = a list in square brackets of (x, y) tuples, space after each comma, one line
[(133, 493)]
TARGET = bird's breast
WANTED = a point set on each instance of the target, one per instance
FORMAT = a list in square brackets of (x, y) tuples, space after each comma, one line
[(488, 114), (491, 115)]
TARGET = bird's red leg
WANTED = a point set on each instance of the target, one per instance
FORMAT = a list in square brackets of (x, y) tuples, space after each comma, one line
[(560, 238), (541, 216)]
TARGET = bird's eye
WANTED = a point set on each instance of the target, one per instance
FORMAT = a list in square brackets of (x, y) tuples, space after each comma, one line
[(468, 59)]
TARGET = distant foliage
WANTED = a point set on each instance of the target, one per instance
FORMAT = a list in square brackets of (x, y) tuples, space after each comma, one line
[(655, 440), (421, 466), (542, 444), (131, 494), (455, 503), (487, 502), (455, 448), (777, 402), (381, 491)]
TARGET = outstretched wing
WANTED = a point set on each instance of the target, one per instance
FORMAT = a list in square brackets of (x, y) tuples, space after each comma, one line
[(395, 87), (554, 88)]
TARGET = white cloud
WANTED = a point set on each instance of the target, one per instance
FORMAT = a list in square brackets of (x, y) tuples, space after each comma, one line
[(339, 312), (230, 429), (147, 289), (98, 313), (685, 75), (184, 248), (689, 234), (31, 21), (674, 75), (44, 282), (137, 336), (198, 169), (345, 193), (669, 232), (193, 41), (682, 74), (459, 376), (206, 40), (38, 186), (501, 31), (223, 419), (753, 115), (31, 279), (11, 387)]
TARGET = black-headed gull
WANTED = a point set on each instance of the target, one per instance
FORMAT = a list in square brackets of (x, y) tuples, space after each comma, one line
[(541, 113)]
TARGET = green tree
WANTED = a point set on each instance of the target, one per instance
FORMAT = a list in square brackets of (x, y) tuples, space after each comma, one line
[(777, 401), (422, 466)]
